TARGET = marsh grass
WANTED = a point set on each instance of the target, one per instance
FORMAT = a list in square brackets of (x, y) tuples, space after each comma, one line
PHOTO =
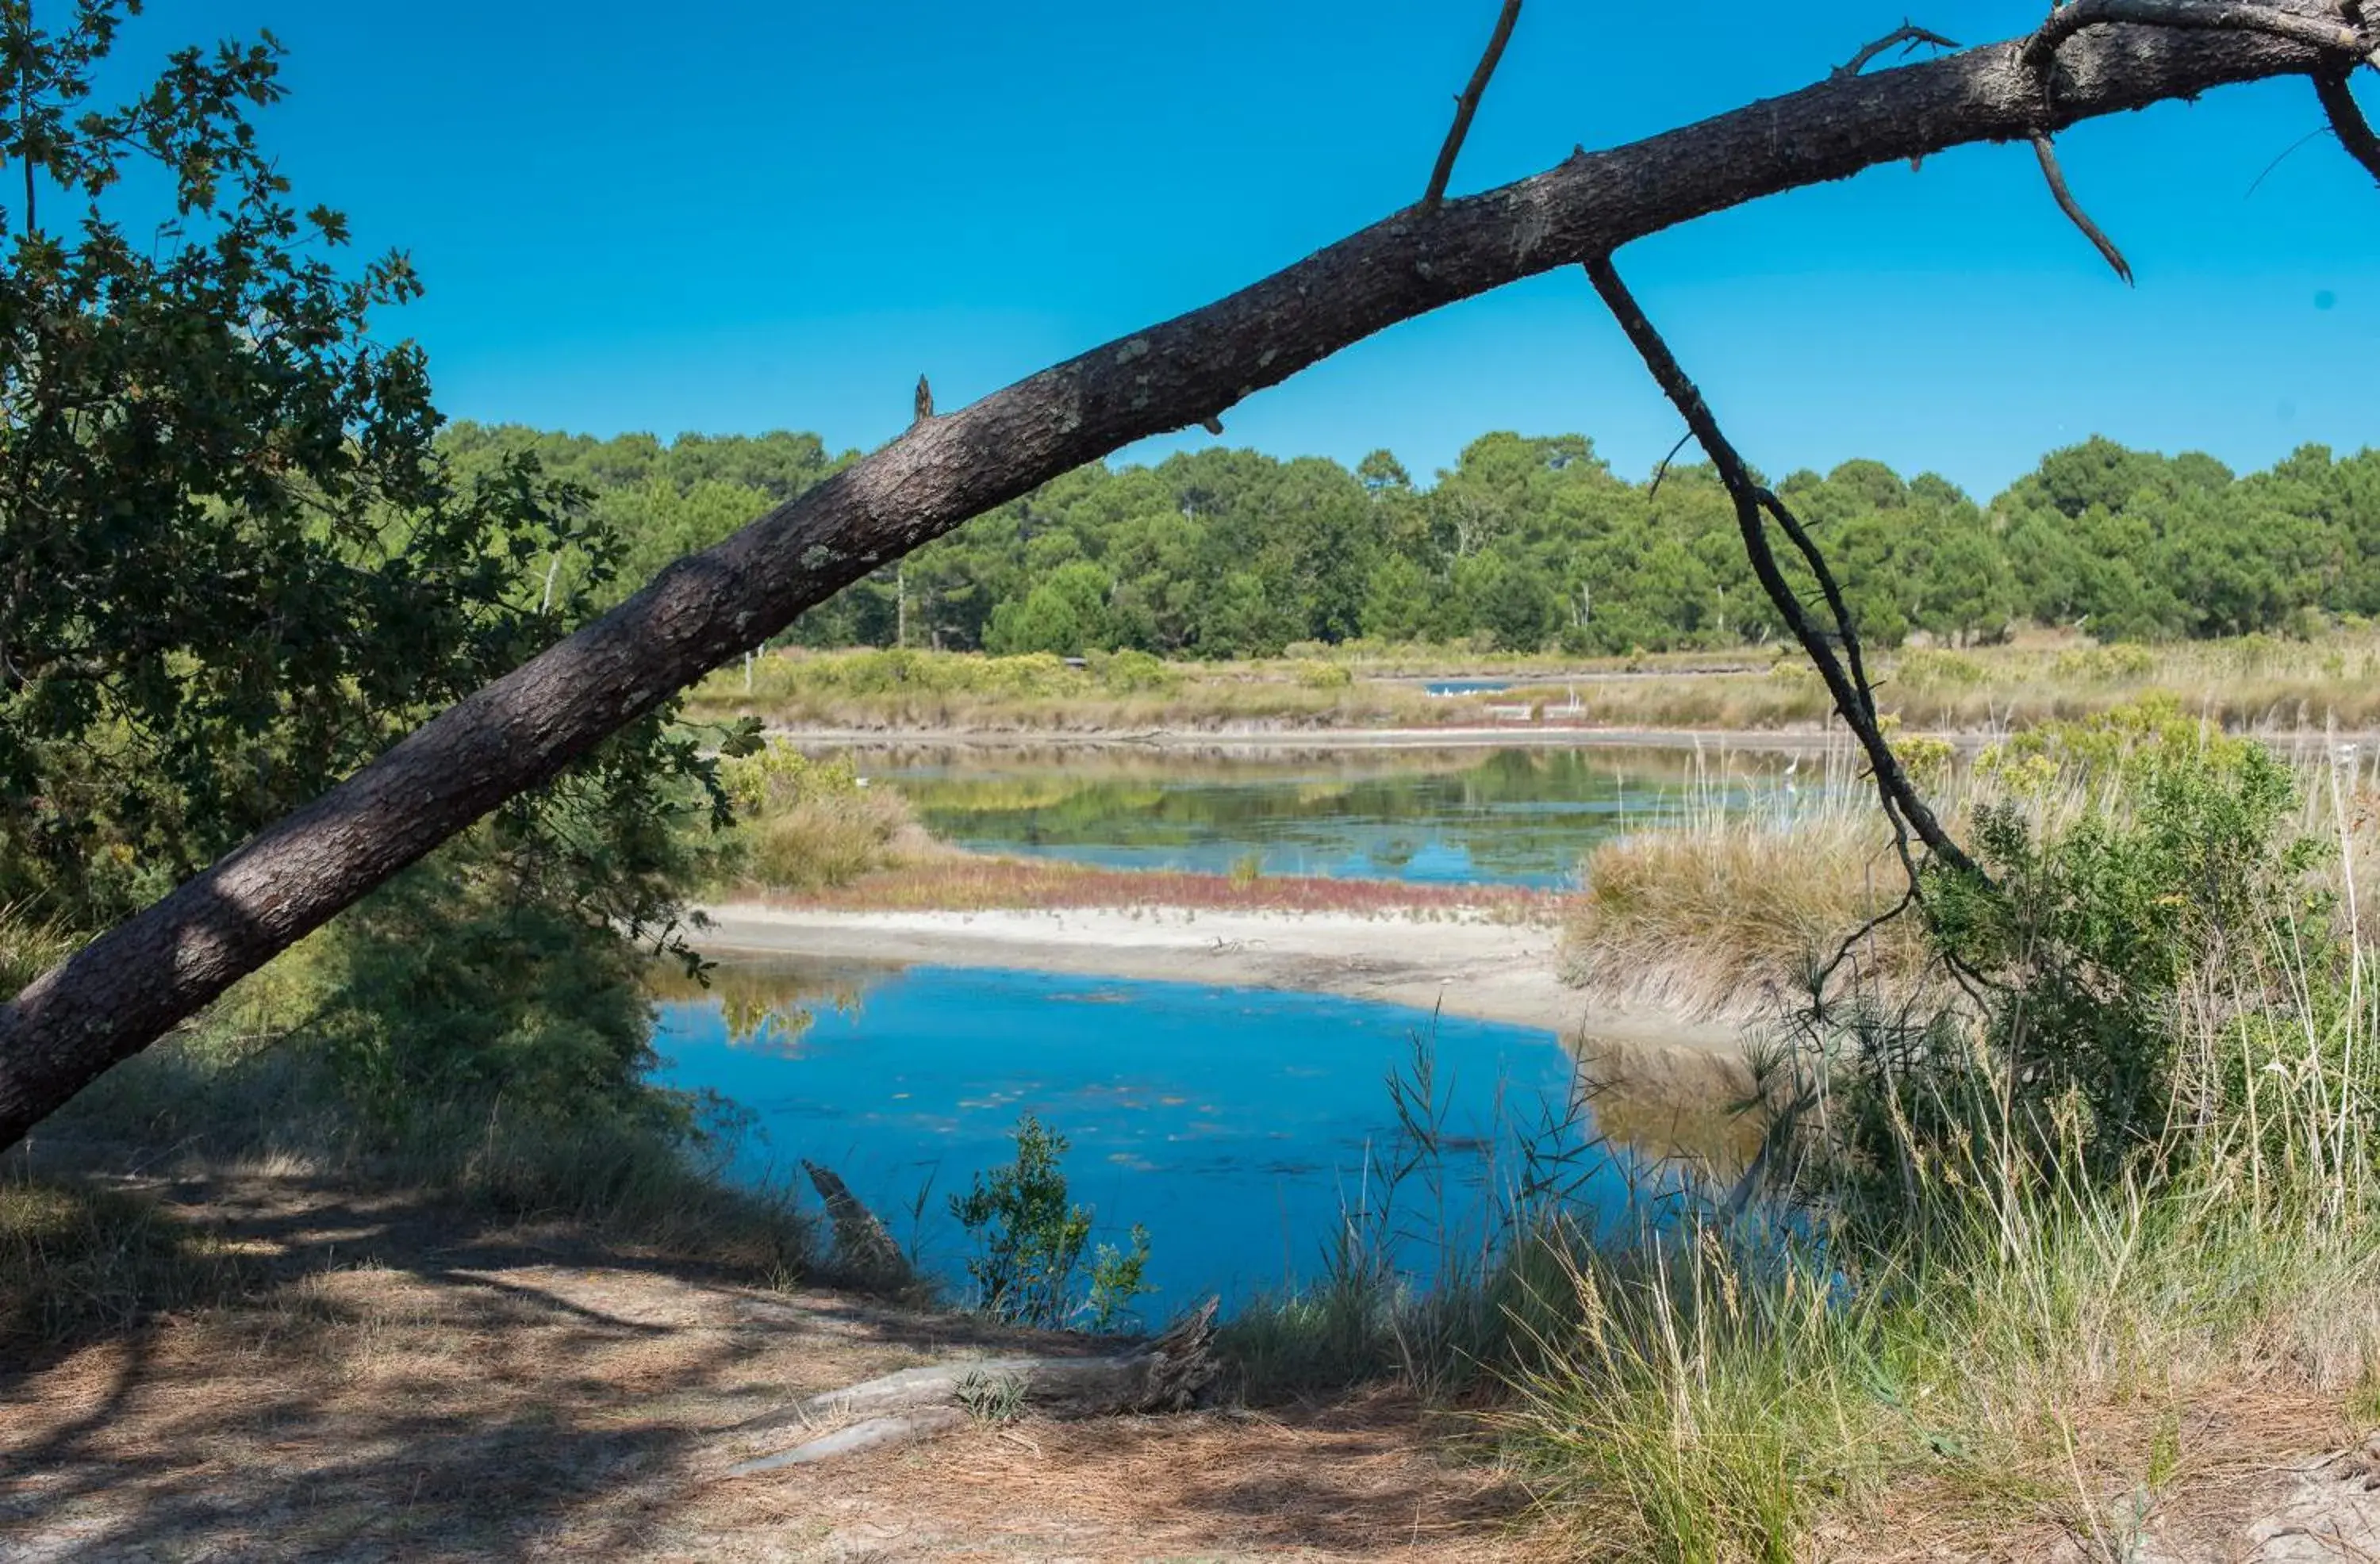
[(2013, 1343), (951, 880), (1119, 692), (804, 823), (1721, 908)]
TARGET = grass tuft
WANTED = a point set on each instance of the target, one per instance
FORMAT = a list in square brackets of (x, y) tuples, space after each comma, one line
[(79, 1261)]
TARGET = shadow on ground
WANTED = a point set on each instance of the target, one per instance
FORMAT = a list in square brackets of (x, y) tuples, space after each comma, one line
[(395, 1381)]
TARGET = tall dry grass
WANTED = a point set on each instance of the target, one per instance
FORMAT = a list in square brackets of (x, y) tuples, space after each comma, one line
[(1724, 909), (807, 825), (2027, 1357)]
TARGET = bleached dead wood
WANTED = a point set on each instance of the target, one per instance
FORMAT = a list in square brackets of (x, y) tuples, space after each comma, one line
[(1165, 1374), (862, 1246)]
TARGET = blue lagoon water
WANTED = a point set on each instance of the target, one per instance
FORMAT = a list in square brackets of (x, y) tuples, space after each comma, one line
[(1238, 1125)]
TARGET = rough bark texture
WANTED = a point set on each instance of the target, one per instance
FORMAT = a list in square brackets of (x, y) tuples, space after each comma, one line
[(1165, 1374), (131, 985)]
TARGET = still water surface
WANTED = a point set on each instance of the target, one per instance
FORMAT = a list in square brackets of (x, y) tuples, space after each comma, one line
[(1514, 817), (1238, 1125)]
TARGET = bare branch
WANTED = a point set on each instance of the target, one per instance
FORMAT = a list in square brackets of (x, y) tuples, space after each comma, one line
[(925, 403), (2206, 16), (2346, 120), (2073, 209), (2286, 153), (1913, 38), (1468, 105), (1663, 470), (1754, 504)]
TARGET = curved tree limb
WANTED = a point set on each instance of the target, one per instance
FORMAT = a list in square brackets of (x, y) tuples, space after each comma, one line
[(1845, 677), (133, 983), (2073, 209), (2325, 32), (2347, 121)]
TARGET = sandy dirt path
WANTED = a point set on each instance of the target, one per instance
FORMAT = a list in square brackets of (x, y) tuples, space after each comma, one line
[(396, 1383)]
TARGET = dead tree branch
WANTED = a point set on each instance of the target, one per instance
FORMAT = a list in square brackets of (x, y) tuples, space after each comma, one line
[(128, 987), (1910, 37), (1467, 104), (1652, 489), (2323, 33), (1844, 674), (2073, 209), (2347, 121)]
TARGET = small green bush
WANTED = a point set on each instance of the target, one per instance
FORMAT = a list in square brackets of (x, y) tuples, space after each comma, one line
[(2120, 664), (2078, 1060), (1135, 673), (1926, 669), (450, 985), (1029, 1239)]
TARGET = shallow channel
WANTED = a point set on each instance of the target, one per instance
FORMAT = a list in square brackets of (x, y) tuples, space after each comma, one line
[(1507, 817)]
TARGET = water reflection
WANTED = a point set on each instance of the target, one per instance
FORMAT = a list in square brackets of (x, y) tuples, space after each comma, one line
[(1514, 817), (1240, 1125)]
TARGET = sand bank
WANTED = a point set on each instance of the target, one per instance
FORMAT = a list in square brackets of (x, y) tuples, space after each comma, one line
[(1474, 966)]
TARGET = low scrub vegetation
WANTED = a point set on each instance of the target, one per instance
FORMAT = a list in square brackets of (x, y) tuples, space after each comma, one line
[(79, 1260), (2256, 683), (805, 824), (468, 1033), (1110, 692), (971, 882)]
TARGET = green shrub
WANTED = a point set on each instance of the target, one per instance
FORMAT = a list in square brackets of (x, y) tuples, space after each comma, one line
[(455, 985), (1029, 1239), (1927, 669), (2119, 663), (2075, 1056), (1135, 673), (777, 776), (806, 824)]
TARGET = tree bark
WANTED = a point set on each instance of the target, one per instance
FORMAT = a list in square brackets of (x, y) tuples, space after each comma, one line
[(132, 984)]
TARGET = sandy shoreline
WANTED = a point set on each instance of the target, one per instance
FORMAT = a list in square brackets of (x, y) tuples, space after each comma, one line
[(1470, 966)]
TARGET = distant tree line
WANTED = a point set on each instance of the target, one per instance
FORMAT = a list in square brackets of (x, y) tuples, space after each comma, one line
[(1525, 544)]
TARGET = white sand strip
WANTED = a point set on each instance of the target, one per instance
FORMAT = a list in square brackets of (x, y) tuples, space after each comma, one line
[(1469, 964)]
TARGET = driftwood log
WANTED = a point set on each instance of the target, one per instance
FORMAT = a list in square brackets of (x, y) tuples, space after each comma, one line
[(1166, 1373), (863, 1249)]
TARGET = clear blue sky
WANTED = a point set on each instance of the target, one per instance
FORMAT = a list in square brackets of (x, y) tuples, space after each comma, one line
[(732, 215)]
